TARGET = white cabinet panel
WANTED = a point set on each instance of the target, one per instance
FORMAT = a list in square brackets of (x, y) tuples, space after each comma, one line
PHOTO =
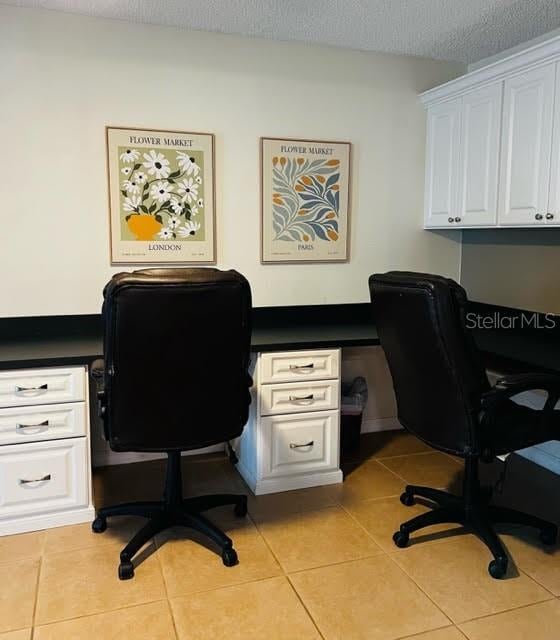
[(289, 366), (42, 477), (479, 156), (41, 386), (526, 147), (299, 397), (553, 212), (300, 443), (46, 422), (442, 164)]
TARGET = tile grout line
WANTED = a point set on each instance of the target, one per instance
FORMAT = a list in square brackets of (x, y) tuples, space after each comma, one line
[(509, 610), (97, 613), (168, 601), (406, 455), (266, 544), (419, 635), (36, 600), (420, 588), (393, 472), (305, 607), (156, 545)]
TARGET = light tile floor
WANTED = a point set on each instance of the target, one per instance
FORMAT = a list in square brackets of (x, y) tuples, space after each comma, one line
[(314, 563)]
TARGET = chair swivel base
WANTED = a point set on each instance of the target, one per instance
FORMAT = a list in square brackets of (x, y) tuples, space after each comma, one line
[(173, 510), (476, 514)]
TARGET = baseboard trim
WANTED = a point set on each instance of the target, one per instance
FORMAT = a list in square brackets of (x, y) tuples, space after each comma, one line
[(289, 483), (47, 521), (106, 457), (380, 424)]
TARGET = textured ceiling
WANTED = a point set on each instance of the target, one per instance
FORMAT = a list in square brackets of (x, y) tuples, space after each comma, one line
[(459, 30)]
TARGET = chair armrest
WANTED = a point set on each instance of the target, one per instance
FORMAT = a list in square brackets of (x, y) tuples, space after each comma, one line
[(97, 372), (509, 386)]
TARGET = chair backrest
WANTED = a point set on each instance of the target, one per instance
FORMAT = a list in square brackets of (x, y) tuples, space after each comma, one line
[(177, 345), (438, 375)]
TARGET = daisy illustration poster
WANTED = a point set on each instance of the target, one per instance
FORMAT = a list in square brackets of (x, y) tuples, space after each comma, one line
[(305, 200), (161, 195)]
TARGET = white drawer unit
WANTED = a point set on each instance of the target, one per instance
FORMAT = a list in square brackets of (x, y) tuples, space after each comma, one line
[(291, 440), (301, 443), (45, 473), (42, 477), (41, 386), (291, 366), (44, 422), (296, 397)]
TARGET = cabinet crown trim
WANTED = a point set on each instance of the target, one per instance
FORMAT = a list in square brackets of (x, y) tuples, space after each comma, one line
[(539, 54)]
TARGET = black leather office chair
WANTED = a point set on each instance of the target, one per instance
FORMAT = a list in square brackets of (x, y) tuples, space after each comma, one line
[(444, 398), (175, 377)]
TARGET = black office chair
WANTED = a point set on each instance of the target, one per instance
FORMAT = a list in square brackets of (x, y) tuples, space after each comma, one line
[(175, 377), (444, 398)]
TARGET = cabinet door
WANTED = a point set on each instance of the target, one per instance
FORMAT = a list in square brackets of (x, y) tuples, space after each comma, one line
[(526, 147), (553, 213), (442, 163), (479, 156)]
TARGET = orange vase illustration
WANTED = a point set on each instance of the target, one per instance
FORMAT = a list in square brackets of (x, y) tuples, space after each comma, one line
[(144, 227)]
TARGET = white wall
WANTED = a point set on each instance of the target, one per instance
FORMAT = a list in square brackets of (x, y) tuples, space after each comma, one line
[(64, 77)]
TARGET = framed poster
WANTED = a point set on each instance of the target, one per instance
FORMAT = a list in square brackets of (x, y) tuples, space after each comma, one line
[(161, 196), (305, 200)]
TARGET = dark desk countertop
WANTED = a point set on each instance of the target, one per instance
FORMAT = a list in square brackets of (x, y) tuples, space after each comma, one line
[(56, 351), (77, 340)]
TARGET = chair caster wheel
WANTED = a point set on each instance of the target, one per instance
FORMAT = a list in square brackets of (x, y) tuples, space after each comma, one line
[(549, 534), (240, 509), (400, 538), (407, 499), (229, 557), (498, 567), (99, 524), (126, 571)]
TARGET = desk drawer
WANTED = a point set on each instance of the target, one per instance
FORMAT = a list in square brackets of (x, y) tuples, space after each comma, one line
[(301, 443), (27, 387), (42, 477), (292, 366), (299, 397), (45, 422)]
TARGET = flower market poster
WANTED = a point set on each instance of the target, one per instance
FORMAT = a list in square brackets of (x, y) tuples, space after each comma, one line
[(161, 196), (305, 200)]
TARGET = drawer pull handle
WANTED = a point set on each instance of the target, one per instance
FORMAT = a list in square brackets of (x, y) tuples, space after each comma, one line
[(42, 387), (293, 445), (298, 398), (302, 367), (38, 427), (43, 479)]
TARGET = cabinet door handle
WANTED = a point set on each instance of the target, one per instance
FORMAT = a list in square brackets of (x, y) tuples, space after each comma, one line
[(38, 427), (293, 445), (549, 216), (450, 220), (43, 479), (296, 398), (457, 219), (302, 367), (42, 387), (538, 216)]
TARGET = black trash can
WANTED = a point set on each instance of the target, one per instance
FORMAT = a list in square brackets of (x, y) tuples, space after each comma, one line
[(354, 398)]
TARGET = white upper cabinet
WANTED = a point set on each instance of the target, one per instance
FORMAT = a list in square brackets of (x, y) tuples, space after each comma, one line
[(493, 144), (526, 147), (553, 213), (479, 156), (443, 134)]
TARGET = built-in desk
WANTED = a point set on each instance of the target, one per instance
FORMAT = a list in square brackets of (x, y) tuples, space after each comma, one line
[(77, 340), (35, 348)]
